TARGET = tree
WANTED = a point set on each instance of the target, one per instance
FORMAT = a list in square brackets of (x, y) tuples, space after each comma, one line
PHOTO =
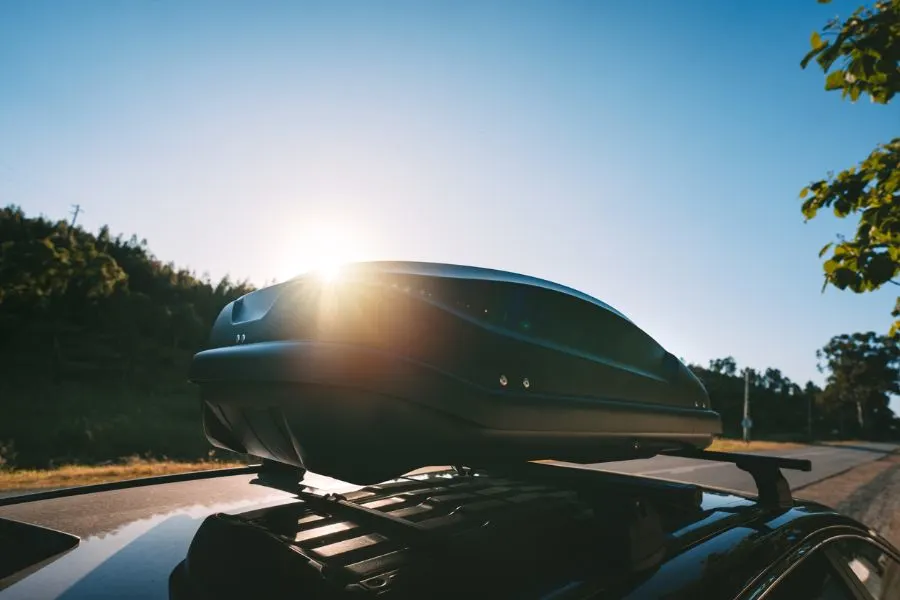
[(861, 56), (863, 372), (775, 381), (725, 366), (778, 405)]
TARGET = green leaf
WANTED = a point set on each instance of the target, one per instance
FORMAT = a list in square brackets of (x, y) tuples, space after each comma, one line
[(843, 278), (841, 208), (804, 193), (835, 80), (815, 40), (830, 265), (881, 268), (809, 209), (809, 56), (824, 249)]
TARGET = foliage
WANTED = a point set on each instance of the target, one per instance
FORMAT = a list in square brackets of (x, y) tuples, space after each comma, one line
[(779, 407), (7, 455), (726, 366), (863, 373), (861, 56), (96, 336)]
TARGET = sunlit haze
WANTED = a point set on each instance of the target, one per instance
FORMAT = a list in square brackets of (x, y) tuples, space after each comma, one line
[(647, 153), (321, 247)]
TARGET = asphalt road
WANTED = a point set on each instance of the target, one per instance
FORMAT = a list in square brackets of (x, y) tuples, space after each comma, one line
[(95, 514), (826, 461)]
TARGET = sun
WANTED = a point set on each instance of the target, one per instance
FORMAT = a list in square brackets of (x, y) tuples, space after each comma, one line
[(330, 269), (321, 250), (326, 264)]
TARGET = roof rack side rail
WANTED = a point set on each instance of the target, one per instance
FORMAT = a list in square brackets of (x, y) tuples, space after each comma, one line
[(772, 488)]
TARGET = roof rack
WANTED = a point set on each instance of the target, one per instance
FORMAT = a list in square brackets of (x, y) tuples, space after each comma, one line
[(637, 528), (288, 478), (772, 488)]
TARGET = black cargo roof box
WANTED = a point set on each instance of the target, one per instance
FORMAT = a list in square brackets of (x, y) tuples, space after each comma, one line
[(397, 365)]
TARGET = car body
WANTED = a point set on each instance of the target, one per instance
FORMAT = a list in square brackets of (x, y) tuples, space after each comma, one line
[(542, 531)]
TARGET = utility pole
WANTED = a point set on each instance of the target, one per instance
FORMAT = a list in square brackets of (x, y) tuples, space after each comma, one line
[(76, 209), (746, 424)]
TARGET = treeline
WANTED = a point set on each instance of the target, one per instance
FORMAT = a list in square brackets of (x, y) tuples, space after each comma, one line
[(778, 406), (59, 282), (96, 335), (862, 374)]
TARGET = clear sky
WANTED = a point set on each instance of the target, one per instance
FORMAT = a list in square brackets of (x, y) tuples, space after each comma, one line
[(647, 153)]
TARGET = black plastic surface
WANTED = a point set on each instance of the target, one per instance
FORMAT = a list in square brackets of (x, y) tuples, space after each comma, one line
[(400, 365)]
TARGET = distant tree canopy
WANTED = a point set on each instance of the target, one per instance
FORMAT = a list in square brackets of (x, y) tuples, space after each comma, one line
[(69, 297), (861, 56), (778, 406), (863, 371)]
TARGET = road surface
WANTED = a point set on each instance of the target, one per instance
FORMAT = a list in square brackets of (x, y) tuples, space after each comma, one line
[(100, 513), (826, 461)]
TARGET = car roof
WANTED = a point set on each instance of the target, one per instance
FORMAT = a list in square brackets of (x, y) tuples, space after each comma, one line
[(721, 546)]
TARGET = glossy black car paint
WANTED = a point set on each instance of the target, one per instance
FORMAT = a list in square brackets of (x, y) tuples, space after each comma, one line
[(715, 546), (729, 548)]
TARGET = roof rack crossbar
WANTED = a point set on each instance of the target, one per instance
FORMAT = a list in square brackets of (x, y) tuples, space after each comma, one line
[(772, 488)]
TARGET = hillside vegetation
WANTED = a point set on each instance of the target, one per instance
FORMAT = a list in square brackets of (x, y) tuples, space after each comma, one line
[(96, 336)]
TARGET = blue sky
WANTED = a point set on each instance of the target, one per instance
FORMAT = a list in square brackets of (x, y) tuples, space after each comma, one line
[(648, 153)]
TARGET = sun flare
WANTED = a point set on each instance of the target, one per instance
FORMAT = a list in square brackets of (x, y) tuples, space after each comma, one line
[(330, 270), (321, 250)]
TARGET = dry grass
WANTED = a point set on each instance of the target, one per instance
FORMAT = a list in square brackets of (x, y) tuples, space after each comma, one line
[(726, 445), (133, 468), (845, 442), (75, 475)]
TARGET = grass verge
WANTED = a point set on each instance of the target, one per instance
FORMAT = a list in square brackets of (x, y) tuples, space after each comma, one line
[(726, 445), (75, 475), (133, 468)]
